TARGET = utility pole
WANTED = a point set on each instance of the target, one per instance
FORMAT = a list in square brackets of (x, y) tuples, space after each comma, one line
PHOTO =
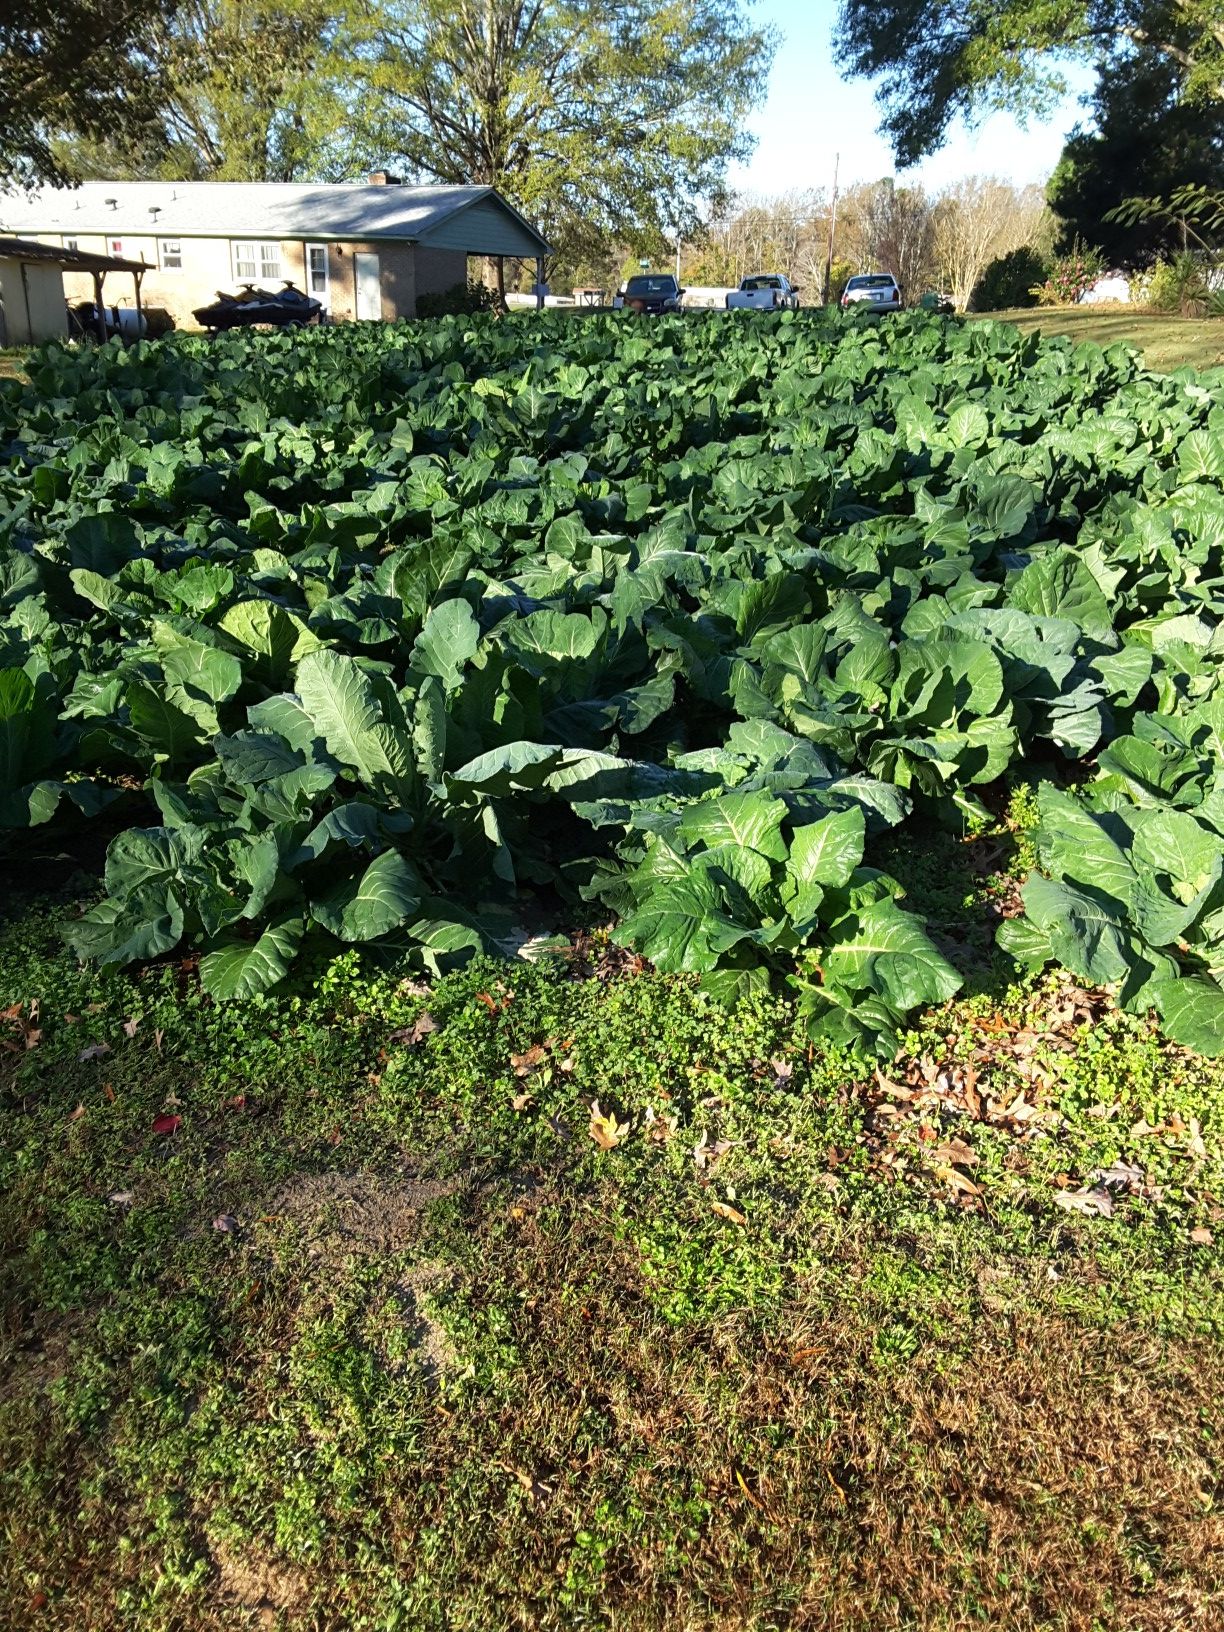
[(828, 276)]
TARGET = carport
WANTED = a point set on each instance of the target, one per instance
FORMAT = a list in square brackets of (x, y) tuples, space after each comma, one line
[(32, 296)]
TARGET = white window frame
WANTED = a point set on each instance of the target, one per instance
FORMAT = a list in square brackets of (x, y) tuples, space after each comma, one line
[(70, 243), (170, 254), (114, 246), (263, 256), (324, 291)]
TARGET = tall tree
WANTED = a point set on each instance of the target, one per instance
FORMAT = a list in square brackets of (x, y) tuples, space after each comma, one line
[(886, 228), (86, 66), (248, 90), (978, 219), (1144, 141), (938, 59), (597, 117)]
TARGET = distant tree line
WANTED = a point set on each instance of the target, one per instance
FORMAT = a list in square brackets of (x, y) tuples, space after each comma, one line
[(929, 241)]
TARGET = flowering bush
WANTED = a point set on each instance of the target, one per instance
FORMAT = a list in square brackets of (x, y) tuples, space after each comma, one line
[(1069, 276)]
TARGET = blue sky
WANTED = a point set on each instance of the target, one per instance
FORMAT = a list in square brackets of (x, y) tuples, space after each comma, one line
[(812, 113)]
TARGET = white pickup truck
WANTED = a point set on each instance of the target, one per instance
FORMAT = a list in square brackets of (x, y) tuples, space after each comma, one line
[(764, 292)]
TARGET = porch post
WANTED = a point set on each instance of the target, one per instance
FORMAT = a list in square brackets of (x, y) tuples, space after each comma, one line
[(99, 313), (539, 283)]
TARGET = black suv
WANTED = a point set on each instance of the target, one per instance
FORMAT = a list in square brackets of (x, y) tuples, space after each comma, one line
[(651, 292)]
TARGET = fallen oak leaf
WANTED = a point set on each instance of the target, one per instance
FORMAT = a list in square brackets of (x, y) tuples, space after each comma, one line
[(1201, 1236), (896, 1090), (1088, 1201), (131, 1027), (1121, 1176), (74, 1116), (955, 1153), (416, 1032), (167, 1124)]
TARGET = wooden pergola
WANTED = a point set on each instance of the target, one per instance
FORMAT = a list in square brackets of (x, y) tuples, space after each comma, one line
[(80, 260)]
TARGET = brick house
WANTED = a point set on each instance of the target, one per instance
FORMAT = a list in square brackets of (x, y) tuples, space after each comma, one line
[(365, 250)]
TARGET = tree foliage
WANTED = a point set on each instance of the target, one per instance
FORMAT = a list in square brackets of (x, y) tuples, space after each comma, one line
[(246, 91), (887, 228), (940, 61), (594, 119), (80, 65), (1145, 141)]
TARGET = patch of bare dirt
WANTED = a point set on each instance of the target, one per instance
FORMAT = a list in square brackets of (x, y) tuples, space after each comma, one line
[(346, 1213), (406, 1314), (250, 1580)]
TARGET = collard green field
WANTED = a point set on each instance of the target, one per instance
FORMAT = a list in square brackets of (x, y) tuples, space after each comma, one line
[(438, 637)]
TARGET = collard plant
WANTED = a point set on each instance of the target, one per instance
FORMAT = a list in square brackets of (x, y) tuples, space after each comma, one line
[(432, 637)]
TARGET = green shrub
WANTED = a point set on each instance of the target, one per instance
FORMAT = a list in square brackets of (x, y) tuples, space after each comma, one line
[(457, 301), (1008, 281), (1179, 285)]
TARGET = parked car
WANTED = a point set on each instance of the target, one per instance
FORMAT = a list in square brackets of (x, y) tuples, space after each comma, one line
[(650, 292), (284, 308), (877, 291), (764, 292)]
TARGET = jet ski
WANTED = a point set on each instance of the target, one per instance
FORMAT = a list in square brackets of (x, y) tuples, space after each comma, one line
[(284, 308)]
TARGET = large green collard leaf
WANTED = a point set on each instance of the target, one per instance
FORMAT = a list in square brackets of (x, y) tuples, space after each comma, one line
[(886, 951), (366, 905), (683, 926), (750, 820), (270, 638), (237, 968)]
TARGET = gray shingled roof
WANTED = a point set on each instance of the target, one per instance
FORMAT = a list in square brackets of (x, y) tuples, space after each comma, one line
[(233, 209)]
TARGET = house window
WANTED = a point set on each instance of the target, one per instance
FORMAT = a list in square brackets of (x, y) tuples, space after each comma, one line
[(256, 260), (114, 246), (70, 243), (316, 270), (170, 254)]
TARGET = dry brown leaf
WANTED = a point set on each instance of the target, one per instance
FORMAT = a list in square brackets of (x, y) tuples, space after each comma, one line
[(523, 1063), (416, 1032), (955, 1153), (1090, 1201), (606, 1131), (520, 1102), (731, 1214), (896, 1089), (954, 1178), (1202, 1237), (659, 1129)]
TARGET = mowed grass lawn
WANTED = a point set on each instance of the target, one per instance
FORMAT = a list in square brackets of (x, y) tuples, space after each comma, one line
[(554, 1296), (1167, 343)]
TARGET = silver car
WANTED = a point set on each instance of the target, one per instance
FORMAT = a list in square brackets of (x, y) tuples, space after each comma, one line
[(877, 291)]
